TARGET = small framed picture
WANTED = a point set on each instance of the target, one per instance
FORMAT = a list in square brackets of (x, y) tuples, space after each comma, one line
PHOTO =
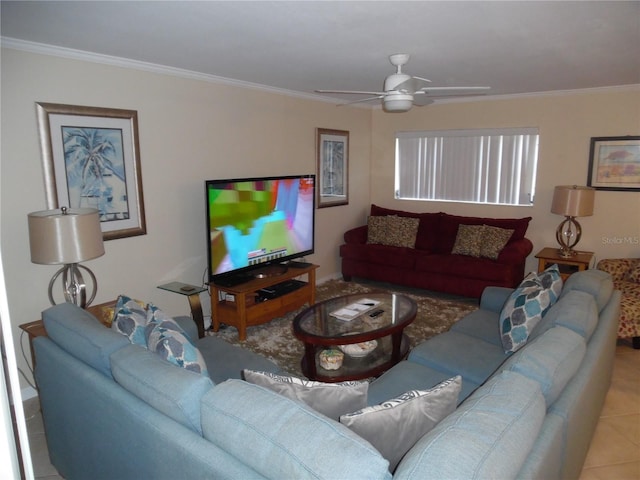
[(614, 163), (91, 159), (333, 167)]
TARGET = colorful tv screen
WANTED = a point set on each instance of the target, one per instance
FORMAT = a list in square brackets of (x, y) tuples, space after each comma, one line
[(257, 221)]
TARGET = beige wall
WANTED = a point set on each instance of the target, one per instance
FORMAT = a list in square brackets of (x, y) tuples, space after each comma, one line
[(190, 131), (566, 124)]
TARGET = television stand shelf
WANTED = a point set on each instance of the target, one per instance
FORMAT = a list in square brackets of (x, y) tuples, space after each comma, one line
[(239, 305)]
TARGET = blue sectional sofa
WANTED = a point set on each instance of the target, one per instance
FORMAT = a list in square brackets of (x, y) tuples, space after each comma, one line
[(115, 410)]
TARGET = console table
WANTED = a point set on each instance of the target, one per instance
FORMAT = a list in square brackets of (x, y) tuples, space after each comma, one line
[(241, 305)]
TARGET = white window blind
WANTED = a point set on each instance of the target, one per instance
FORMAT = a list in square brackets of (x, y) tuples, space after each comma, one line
[(495, 166)]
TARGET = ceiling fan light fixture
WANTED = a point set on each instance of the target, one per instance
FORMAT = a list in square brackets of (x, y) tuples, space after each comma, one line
[(397, 103)]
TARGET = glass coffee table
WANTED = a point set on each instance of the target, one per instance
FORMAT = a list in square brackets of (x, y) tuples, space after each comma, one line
[(369, 332)]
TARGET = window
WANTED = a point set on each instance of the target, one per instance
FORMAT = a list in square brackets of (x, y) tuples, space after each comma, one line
[(479, 166)]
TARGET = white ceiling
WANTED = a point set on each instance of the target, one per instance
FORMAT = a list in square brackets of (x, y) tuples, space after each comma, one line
[(301, 46)]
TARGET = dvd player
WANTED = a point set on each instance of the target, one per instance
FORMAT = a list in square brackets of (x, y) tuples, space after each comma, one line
[(279, 289)]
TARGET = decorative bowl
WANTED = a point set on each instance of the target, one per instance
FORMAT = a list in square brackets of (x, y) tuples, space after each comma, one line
[(361, 349), (331, 359)]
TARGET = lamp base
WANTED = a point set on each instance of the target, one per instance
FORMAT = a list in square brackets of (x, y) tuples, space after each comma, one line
[(73, 285), (568, 235), (568, 253)]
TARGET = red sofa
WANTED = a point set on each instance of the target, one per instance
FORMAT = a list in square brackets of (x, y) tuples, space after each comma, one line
[(430, 265)]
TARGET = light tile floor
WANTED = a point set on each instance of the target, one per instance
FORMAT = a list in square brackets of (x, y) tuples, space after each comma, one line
[(42, 468), (615, 448), (614, 452)]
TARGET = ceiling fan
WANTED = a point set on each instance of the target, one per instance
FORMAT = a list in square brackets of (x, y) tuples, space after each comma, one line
[(402, 91)]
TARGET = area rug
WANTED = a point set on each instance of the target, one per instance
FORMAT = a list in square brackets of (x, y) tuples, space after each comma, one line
[(275, 340)]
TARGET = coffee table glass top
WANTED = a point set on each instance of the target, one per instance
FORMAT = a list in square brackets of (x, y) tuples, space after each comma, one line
[(318, 323)]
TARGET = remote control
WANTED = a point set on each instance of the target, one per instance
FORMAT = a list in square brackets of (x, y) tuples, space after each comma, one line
[(376, 313)]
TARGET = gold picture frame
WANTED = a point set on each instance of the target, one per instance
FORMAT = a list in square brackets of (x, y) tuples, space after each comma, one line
[(91, 158)]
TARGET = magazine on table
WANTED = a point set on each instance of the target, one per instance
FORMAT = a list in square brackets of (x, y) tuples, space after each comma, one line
[(355, 309)]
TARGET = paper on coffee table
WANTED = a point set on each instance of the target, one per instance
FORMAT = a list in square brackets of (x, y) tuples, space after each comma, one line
[(355, 309)]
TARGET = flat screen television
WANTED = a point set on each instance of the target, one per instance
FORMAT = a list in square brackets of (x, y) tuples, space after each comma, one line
[(253, 223)]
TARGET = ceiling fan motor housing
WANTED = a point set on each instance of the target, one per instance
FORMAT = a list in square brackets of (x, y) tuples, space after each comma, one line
[(392, 81), (397, 102)]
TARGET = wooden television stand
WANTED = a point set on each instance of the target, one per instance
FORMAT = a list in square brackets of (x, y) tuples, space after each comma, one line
[(239, 305)]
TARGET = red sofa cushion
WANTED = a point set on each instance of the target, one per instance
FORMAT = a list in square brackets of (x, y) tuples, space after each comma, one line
[(461, 266), (400, 257)]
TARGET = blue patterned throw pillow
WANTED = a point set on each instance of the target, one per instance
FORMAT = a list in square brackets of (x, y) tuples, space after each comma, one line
[(551, 279), (130, 319), (522, 311), (166, 338)]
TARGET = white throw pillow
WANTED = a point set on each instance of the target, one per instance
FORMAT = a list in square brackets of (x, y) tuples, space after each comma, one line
[(393, 427), (330, 399)]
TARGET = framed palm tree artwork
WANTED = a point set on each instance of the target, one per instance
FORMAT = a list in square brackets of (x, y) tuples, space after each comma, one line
[(91, 159)]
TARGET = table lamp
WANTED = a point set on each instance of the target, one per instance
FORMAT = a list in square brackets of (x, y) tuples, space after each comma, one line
[(571, 201), (67, 237)]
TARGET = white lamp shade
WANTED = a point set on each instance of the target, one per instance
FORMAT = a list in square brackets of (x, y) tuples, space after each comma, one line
[(58, 238), (573, 201)]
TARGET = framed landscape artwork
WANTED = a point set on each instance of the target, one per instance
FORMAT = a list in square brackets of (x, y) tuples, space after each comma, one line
[(333, 167), (614, 163), (91, 159)]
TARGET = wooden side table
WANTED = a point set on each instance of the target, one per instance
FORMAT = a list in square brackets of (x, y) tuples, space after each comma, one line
[(567, 265)]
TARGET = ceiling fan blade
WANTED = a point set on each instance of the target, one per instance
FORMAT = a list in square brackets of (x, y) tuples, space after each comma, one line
[(413, 84), (354, 92), (422, 100), (462, 90), (377, 97)]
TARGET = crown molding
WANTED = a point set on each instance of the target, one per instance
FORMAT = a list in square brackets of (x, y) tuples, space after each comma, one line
[(70, 53), (73, 54), (635, 87)]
